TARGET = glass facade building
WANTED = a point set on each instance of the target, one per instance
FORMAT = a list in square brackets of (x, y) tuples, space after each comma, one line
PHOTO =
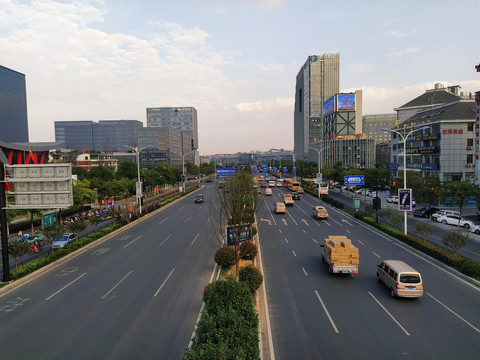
[(13, 106), (317, 81), (106, 135)]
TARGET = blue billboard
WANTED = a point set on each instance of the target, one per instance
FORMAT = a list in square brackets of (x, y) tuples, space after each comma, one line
[(225, 172), (354, 180), (346, 102), (329, 106)]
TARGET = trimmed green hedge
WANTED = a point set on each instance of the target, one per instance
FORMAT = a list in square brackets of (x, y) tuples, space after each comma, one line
[(248, 250), (228, 327), (464, 265), (252, 276), (225, 256)]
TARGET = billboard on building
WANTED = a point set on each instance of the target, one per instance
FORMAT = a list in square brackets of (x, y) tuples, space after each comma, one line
[(346, 102), (329, 106)]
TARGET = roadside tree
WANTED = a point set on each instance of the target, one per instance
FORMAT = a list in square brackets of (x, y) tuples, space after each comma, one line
[(18, 249), (457, 193), (455, 239)]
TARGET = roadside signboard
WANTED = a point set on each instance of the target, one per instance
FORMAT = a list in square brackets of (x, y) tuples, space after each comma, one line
[(405, 199), (354, 180), (294, 169), (245, 233), (225, 172), (356, 204), (318, 179)]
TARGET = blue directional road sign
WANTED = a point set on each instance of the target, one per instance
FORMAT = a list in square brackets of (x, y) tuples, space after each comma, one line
[(354, 180), (405, 199), (294, 169)]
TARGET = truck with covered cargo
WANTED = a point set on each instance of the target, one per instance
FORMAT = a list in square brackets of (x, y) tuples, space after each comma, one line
[(340, 255)]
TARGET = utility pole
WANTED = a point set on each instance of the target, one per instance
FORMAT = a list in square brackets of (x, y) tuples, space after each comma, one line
[(3, 225)]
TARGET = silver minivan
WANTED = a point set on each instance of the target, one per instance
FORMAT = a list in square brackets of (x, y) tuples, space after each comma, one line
[(444, 212), (400, 278)]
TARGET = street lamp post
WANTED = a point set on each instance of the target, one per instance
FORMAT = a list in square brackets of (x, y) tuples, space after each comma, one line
[(294, 164), (404, 140), (319, 151), (137, 151), (183, 167)]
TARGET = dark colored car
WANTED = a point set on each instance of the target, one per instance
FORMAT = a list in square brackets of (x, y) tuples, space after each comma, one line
[(296, 196), (199, 198), (425, 212)]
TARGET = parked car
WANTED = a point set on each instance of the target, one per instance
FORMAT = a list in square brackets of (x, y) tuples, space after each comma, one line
[(425, 212), (444, 212), (475, 229), (392, 199), (105, 215), (64, 240), (199, 198), (454, 220)]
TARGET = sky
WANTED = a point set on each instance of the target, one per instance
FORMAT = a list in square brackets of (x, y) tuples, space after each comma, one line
[(235, 61)]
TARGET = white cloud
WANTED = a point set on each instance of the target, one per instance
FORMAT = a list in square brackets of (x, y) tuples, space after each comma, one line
[(266, 105)]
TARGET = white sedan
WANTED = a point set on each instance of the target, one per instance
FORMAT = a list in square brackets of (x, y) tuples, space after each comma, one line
[(475, 229), (454, 220)]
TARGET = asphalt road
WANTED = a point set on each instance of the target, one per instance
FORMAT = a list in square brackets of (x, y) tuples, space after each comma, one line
[(136, 295), (317, 315)]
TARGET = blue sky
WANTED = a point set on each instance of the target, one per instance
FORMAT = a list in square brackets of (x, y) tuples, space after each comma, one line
[(235, 61)]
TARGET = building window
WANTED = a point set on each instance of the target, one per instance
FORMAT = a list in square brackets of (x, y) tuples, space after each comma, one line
[(470, 127), (470, 159), (469, 142)]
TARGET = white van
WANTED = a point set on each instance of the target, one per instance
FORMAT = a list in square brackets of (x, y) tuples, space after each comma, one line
[(401, 279), (445, 212)]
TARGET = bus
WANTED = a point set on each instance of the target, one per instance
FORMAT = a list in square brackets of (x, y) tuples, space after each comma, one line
[(323, 188), (294, 185)]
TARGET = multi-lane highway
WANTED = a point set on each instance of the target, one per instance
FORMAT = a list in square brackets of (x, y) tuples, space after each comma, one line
[(317, 315), (136, 295)]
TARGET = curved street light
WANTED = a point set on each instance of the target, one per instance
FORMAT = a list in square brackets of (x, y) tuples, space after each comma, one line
[(319, 151), (183, 167), (137, 151), (404, 140)]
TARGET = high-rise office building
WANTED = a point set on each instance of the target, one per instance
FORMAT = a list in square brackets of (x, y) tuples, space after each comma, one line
[(317, 81), (13, 106), (180, 118), (106, 135)]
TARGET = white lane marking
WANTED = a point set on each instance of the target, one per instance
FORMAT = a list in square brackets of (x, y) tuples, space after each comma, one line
[(168, 237), (266, 220), (374, 253), (304, 271), (348, 231), (271, 215), (113, 288), (70, 283), (187, 219), (284, 221), (294, 253), (304, 231), (181, 208), (195, 239), (164, 282), (131, 242), (203, 305), (360, 241), (162, 221), (286, 240), (291, 217), (453, 312), (315, 241), (326, 312), (305, 222), (391, 316), (279, 230)]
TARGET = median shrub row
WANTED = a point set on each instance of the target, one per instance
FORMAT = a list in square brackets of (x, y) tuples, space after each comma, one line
[(464, 265), (228, 327)]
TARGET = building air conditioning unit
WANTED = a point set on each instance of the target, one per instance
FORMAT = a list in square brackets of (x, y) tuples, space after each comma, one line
[(469, 147), (469, 165)]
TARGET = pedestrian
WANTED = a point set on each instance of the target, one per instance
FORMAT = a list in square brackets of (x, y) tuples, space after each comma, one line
[(20, 233)]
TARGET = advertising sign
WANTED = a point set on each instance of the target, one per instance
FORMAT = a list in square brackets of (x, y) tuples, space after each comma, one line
[(354, 180), (138, 186), (329, 106), (284, 169), (232, 233), (346, 102), (405, 199)]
